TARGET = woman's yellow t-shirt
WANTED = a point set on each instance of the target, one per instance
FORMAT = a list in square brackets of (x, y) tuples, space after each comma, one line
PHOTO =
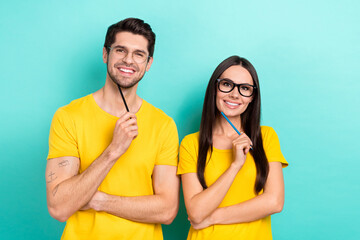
[(242, 189)]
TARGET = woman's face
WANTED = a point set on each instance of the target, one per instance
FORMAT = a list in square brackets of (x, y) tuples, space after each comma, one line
[(232, 103)]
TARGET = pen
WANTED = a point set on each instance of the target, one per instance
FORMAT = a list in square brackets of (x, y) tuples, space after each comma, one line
[(228, 120), (230, 123), (127, 109)]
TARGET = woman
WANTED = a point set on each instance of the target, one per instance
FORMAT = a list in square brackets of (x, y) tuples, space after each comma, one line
[(232, 183)]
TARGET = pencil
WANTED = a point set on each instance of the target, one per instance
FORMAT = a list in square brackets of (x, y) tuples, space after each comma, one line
[(123, 98), (228, 120), (230, 123)]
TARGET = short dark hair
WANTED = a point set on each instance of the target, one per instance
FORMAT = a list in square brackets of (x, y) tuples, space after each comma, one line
[(134, 26)]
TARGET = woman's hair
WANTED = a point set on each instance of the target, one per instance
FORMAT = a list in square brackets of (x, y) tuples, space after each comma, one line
[(250, 121)]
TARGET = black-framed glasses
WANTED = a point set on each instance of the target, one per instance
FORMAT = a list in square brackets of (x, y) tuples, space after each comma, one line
[(138, 56), (226, 85)]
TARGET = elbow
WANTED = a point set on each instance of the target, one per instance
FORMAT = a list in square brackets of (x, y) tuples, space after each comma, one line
[(278, 204), (57, 214), (170, 215), (196, 217)]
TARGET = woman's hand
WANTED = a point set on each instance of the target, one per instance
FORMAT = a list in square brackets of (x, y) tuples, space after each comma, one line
[(241, 146)]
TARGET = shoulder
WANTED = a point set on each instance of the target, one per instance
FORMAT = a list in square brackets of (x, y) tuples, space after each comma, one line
[(191, 141), (74, 107), (155, 115), (266, 131), (268, 134)]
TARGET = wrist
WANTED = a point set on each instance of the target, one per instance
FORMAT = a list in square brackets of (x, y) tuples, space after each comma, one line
[(112, 154), (98, 201), (236, 166), (213, 218)]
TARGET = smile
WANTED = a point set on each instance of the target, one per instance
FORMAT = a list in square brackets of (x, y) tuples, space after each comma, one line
[(232, 104), (126, 70)]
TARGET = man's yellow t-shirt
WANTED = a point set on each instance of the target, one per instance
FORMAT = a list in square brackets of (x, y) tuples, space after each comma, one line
[(242, 188), (82, 129)]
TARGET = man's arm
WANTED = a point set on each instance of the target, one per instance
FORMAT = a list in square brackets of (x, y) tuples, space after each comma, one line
[(68, 191), (161, 207), (270, 202)]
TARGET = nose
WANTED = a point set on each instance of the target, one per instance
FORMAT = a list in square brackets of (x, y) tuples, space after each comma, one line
[(128, 59), (235, 93)]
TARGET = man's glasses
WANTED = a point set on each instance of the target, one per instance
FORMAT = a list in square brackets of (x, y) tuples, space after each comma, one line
[(121, 52), (226, 85)]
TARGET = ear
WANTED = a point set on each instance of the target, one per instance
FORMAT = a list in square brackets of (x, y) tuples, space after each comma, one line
[(148, 65), (105, 55)]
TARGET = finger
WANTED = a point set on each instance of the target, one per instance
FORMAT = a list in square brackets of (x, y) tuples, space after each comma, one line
[(127, 116), (127, 123), (246, 150)]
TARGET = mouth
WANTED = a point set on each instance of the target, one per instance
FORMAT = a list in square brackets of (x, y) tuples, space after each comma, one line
[(232, 104), (126, 70)]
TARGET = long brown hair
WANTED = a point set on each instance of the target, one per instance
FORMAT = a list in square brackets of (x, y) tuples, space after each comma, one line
[(250, 121)]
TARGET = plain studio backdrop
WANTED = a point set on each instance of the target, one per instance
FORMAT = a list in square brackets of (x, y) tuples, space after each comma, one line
[(307, 57)]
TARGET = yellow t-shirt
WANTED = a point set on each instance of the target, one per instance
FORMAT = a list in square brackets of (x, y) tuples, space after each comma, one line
[(82, 129), (242, 188)]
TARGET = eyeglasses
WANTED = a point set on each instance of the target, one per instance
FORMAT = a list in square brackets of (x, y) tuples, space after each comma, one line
[(226, 85), (121, 52)]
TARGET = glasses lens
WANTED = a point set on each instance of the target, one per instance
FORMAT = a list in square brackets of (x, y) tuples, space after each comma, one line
[(226, 85), (139, 57), (246, 90)]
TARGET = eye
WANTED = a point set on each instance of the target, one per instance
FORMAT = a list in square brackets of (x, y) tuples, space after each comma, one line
[(245, 88), (226, 83), (139, 54)]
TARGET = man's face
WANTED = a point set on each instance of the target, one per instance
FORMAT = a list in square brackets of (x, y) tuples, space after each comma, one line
[(124, 70)]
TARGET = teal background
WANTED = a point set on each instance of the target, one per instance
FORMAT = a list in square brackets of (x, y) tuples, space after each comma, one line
[(307, 57)]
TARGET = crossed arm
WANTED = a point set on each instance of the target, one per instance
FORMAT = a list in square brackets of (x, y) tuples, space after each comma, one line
[(68, 192), (202, 205)]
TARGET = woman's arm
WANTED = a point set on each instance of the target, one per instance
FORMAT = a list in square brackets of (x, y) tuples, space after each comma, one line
[(201, 203), (270, 202)]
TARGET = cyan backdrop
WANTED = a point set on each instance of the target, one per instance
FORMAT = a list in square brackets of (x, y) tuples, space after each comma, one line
[(307, 57)]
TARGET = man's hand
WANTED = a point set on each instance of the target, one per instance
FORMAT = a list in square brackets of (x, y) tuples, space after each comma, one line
[(95, 202), (125, 131)]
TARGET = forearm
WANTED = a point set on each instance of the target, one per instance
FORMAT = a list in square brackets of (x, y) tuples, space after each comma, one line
[(68, 196), (146, 209), (248, 211), (204, 203)]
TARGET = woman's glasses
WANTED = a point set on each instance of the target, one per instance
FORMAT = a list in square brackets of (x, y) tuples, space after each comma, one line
[(226, 85)]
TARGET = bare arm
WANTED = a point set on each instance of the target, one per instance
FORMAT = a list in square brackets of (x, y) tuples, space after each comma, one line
[(68, 191), (161, 207), (201, 203), (270, 202)]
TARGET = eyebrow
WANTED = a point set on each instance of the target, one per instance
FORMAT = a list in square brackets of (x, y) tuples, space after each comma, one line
[(136, 50), (236, 83)]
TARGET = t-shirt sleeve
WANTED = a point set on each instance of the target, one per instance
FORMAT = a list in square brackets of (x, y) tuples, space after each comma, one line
[(188, 156), (168, 153), (62, 138), (272, 146)]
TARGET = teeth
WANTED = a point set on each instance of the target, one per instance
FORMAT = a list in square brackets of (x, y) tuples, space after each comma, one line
[(232, 104), (126, 70)]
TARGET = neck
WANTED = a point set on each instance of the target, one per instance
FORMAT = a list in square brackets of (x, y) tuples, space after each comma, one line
[(110, 100), (222, 127)]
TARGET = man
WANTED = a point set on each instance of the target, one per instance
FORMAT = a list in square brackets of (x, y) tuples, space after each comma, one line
[(111, 174)]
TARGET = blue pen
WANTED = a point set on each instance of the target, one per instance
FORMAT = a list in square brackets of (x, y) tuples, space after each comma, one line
[(233, 126), (230, 123)]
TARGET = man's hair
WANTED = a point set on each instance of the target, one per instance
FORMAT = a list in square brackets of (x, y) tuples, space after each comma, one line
[(134, 26)]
